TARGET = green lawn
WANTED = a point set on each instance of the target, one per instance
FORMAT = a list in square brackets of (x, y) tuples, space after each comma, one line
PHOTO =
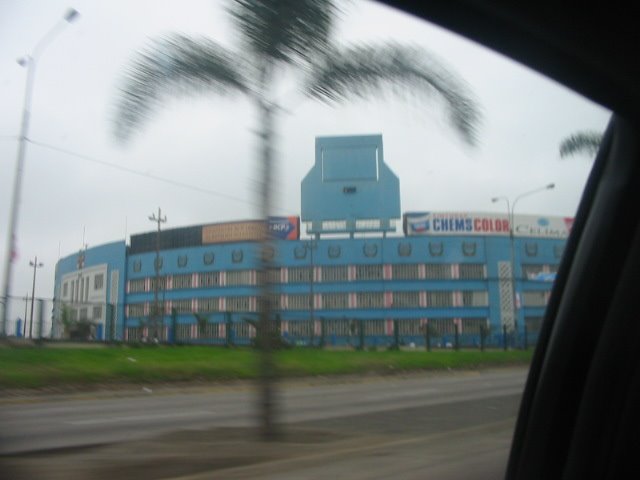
[(35, 367)]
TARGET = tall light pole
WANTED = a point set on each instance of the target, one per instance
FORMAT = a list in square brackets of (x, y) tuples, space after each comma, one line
[(510, 209), (156, 309), (34, 263), (29, 62)]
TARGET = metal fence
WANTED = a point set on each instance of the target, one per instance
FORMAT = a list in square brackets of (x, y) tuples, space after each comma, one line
[(339, 333), (100, 322)]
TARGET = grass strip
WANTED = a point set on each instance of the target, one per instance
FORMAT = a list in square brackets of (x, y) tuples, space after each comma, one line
[(50, 367)]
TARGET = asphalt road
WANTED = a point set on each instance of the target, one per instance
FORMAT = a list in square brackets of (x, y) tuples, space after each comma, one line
[(374, 427)]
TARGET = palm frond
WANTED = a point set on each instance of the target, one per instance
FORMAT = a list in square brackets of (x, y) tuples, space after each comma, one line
[(361, 71), (587, 142), (172, 66), (285, 30)]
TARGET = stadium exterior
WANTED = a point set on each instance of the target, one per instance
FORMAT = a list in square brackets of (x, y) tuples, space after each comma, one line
[(351, 281)]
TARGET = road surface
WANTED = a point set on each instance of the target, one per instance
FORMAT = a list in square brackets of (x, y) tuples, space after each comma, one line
[(370, 427)]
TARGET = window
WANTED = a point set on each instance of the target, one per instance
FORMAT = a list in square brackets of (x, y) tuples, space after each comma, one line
[(84, 312), (437, 271), (473, 325), (242, 329), (439, 299), (208, 305), (183, 332), (370, 299), (136, 285), (209, 279), (238, 304), (65, 289), (301, 328), (472, 271), (210, 330), (406, 272), (475, 299), (339, 273), (299, 302), (534, 299), (374, 327), (182, 306), (273, 275), (182, 281), (410, 327), (531, 272), (339, 327), (443, 326), (368, 272), (239, 277), (136, 309), (98, 281), (161, 282), (97, 312), (300, 275), (406, 299), (134, 334), (335, 300)]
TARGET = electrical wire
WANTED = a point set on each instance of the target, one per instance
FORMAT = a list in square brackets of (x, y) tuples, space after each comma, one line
[(132, 171)]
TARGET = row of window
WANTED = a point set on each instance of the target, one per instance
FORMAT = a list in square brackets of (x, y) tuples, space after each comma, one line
[(325, 301), (332, 327), (85, 313), (331, 274), (325, 274), (78, 290)]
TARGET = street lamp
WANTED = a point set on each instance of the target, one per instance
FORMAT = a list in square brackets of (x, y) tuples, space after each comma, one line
[(510, 209), (29, 62), (35, 266)]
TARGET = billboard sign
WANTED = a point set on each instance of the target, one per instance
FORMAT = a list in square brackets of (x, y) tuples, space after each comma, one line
[(281, 228), (285, 228), (486, 224)]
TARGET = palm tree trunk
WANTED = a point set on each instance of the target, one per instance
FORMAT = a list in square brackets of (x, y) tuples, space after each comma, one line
[(266, 332)]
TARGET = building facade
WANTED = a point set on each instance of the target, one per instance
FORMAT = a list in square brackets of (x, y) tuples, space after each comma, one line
[(354, 279)]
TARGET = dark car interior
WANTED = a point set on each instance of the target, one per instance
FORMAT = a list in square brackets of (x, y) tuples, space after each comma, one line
[(579, 416)]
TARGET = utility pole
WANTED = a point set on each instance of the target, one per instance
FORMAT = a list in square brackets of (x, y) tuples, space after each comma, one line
[(26, 306), (35, 266), (156, 307)]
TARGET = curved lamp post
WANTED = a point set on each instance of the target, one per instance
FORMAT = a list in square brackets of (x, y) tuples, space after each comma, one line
[(29, 62), (511, 205)]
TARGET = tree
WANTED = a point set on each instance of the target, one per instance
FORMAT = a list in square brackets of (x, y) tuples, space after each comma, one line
[(587, 142), (279, 36)]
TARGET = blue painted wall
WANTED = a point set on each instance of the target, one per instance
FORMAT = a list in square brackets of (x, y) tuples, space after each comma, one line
[(350, 181)]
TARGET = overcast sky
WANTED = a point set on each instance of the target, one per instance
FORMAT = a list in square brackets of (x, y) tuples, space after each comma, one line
[(209, 142)]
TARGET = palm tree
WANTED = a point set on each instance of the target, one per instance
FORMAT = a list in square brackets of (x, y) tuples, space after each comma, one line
[(587, 142), (276, 36)]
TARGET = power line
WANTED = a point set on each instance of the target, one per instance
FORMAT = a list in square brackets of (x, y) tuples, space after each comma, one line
[(143, 174)]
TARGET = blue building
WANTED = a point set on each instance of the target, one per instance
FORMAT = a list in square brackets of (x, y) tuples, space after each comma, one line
[(355, 278)]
